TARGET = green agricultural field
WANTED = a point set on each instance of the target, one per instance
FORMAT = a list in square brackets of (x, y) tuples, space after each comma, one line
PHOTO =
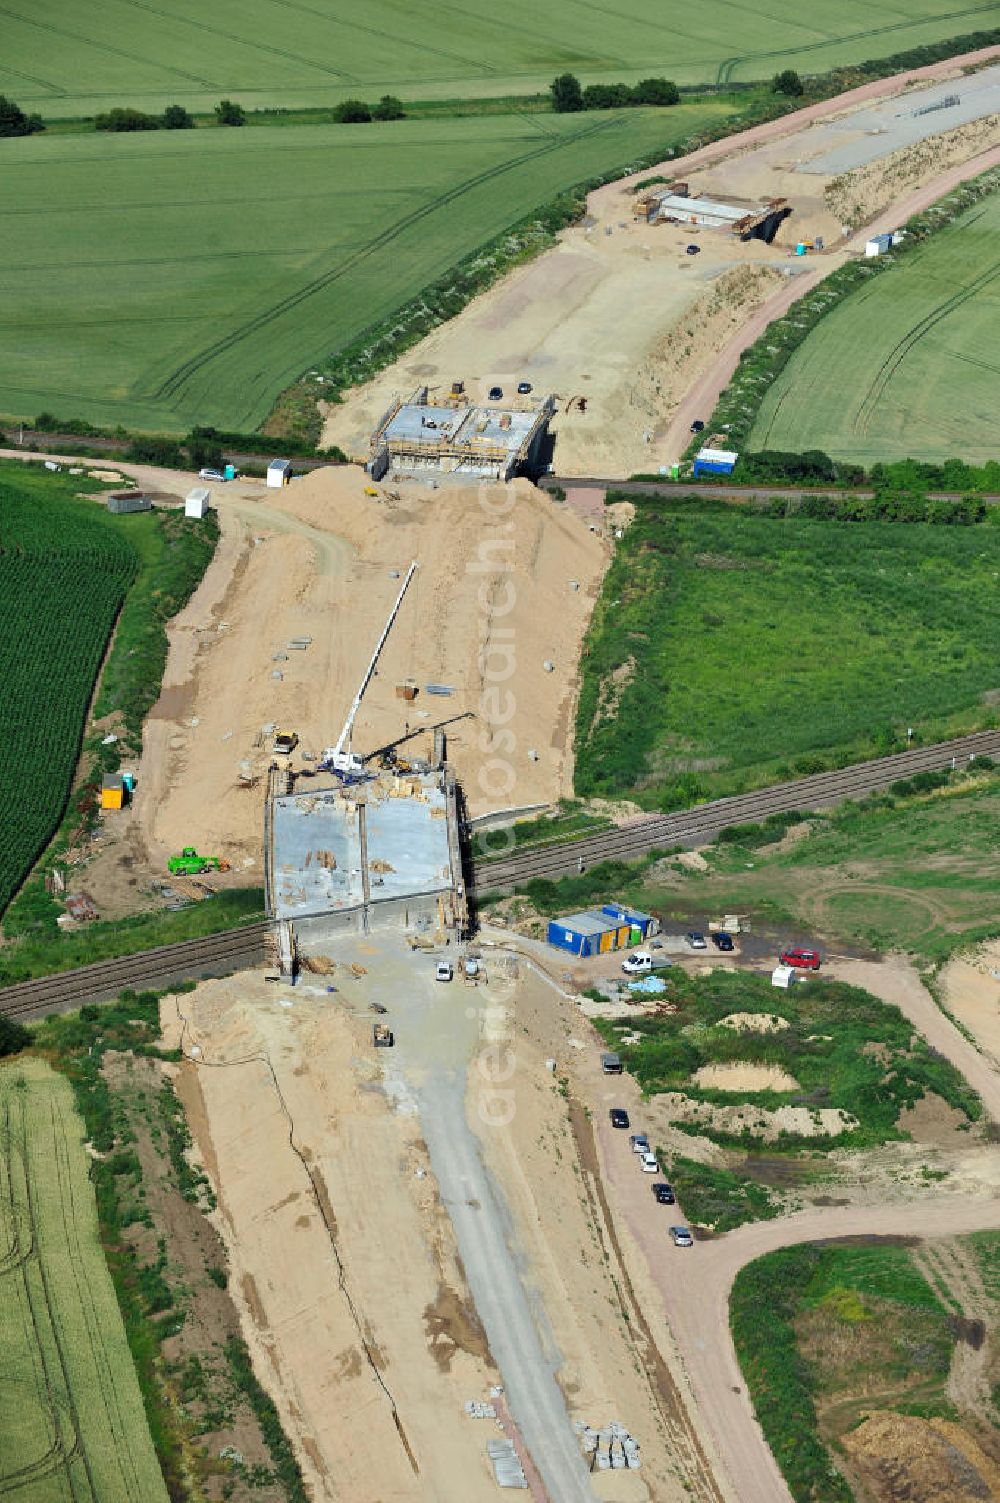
[(907, 366), (187, 277), (64, 572), (64, 61), (72, 1425), (729, 649)]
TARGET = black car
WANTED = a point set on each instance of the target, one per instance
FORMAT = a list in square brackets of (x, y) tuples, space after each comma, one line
[(723, 941), (694, 250), (664, 1195), (619, 1118), (523, 387), (496, 394), (698, 426)]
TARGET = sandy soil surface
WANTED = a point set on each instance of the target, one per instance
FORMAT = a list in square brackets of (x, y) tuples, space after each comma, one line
[(506, 583), (739, 1076), (323, 1155), (970, 990), (343, 1264), (618, 315)]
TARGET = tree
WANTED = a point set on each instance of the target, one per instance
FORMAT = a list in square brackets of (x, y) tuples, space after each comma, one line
[(13, 1037), (567, 96), (659, 91), (14, 122), (787, 82), (126, 119), (606, 96), (389, 108), (228, 113), (176, 117), (352, 112)]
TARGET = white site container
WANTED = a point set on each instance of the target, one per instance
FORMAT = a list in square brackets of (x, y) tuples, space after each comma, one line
[(783, 975), (197, 502)]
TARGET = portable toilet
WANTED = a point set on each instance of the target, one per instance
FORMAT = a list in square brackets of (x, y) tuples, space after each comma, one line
[(112, 791), (196, 502), (229, 472), (641, 925), (279, 472)]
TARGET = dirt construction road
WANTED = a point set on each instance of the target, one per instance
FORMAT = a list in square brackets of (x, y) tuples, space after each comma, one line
[(694, 1284)]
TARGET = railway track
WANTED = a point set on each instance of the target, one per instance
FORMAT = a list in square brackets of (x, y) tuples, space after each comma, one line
[(694, 826), (232, 949), (215, 954)]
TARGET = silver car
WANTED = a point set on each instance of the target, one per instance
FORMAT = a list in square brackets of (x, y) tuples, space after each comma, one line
[(681, 1236)]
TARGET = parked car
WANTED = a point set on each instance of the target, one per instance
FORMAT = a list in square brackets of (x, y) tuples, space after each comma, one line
[(619, 1117), (639, 1142), (611, 1063), (698, 426), (681, 1236), (664, 1194), (444, 971), (696, 940), (802, 960), (496, 394), (210, 475), (523, 388), (694, 250), (649, 1163), (723, 941)]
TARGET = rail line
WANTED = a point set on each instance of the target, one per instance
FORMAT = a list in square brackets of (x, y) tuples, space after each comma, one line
[(232, 949), (214, 954), (693, 826)]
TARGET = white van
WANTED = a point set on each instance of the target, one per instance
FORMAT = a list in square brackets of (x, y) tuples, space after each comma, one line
[(639, 963)]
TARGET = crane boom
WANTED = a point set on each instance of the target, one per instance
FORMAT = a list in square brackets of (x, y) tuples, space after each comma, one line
[(336, 756)]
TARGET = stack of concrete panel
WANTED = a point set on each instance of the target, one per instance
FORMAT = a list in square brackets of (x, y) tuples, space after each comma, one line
[(506, 1467)]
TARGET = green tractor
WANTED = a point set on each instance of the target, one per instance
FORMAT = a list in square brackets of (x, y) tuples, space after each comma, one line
[(190, 864)]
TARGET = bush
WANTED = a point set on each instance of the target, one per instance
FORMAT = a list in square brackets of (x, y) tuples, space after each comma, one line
[(658, 91), (567, 96), (389, 108), (14, 122), (606, 96), (176, 117), (352, 112), (126, 119), (13, 1037), (228, 113), (788, 82)]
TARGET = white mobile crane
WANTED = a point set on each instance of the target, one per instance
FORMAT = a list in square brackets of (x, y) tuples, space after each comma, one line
[(340, 758)]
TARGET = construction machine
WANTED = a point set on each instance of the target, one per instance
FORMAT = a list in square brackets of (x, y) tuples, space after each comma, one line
[(285, 742), (340, 759), (190, 864)]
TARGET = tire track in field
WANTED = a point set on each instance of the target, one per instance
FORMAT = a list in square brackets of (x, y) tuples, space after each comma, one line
[(178, 378), (908, 341), (726, 67), (59, 1456), (268, 49), (110, 1397), (78, 36), (384, 37)]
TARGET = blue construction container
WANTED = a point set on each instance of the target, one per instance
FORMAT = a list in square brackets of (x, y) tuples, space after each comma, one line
[(642, 924), (715, 462), (590, 933)]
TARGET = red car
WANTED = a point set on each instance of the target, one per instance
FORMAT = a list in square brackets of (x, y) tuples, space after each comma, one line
[(803, 960)]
